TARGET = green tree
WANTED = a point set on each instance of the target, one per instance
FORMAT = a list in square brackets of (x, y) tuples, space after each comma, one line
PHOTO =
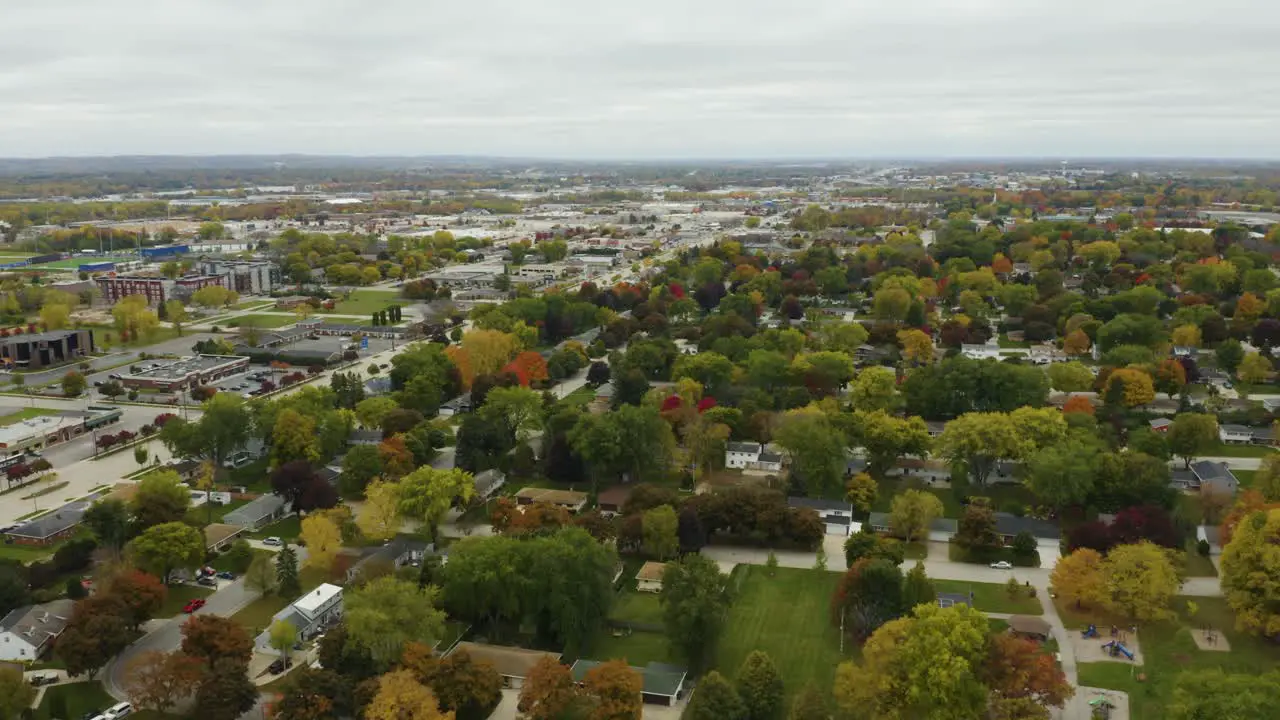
[(287, 572), (519, 409), (371, 411), (161, 498), (912, 512), (223, 428), (980, 440), (816, 449), (715, 699), (16, 694), (282, 635), (861, 492), (868, 596), (866, 544), (176, 313), (1070, 377), (427, 493), (694, 606), (294, 438), (1229, 353), (73, 384), (917, 588), (261, 575), (1191, 435), (226, 692), (1212, 693), (760, 686), (659, 529), (633, 441), (810, 704), (1062, 475), (1254, 368), (161, 549), (388, 612), (108, 519), (360, 466), (886, 438), (874, 388)]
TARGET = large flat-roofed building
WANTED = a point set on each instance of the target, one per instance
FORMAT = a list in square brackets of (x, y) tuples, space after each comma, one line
[(168, 376), (247, 277), (40, 432), (155, 289), (46, 349)]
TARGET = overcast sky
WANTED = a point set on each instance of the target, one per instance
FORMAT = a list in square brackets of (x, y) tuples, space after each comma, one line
[(642, 79)]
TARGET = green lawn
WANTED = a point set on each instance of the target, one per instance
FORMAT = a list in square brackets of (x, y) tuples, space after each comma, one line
[(1245, 477), (286, 529), (179, 596), (1239, 451), (1003, 495), (991, 597), (25, 414), (202, 515), (955, 553), (637, 648), (223, 562), (103, 332), (75, 262), (1006, 344), (80, 699), (262, 321), (580, 397), (256, 616), (637, 607), (367, 302), (1197, 564), (1168, 651), (916, 551), (786, 616)]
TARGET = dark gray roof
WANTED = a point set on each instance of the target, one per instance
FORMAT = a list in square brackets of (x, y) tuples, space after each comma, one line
[(659, 678), (744, 447), (255, 510), (363, 436), (1007, 524), (54, 522), (819, 504), (768, 457)]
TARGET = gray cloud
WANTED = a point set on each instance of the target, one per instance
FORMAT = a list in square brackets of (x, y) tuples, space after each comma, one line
[(663, 78)]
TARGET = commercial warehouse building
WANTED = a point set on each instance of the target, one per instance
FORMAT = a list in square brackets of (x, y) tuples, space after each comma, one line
[(38, 350), (173, 375), (38, 433)]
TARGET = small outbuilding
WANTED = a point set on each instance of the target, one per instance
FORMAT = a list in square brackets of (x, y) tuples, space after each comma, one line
[(649, 579), (1031, 627)]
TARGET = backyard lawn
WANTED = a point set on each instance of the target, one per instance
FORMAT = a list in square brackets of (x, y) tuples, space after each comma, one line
[(286, 529), (367, 302), (638, 607), (580, 397), (991, 597), (786, 616), (178, 597), (256, 616), (76, 700), (1239, 451), (1168, 650), (637, 648)]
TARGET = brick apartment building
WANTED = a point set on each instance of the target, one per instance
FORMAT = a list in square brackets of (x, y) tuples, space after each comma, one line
[(155, 289)]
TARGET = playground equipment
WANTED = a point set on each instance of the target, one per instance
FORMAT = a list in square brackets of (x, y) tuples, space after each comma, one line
[(1114, 648), (1092, 632)]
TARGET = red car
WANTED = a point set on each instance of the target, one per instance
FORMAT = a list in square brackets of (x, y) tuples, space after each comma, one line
[(193, 606)]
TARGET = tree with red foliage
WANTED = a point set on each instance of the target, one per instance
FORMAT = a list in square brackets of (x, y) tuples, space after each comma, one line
[(298, 482), (210, 637), (163, 418), (1094, 535), (1145, 522), (529, 366), (706, 403), (141, 594), (673, 402), (1078, 404), (1022, 677)]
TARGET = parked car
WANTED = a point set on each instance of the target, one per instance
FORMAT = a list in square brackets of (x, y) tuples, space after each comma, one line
[(207, 581), (1002, 565), (279, 666), (193, 605), (273, 540), (224, 575), (43, 678), (119, 710)]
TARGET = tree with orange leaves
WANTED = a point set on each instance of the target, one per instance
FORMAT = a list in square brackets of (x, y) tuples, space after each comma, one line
[(1076, 343), (1249, 502), (1001, 264), (529, 366), (1022, 678), (1078, 404), (397, 460), (1170, 377), (615, 688)]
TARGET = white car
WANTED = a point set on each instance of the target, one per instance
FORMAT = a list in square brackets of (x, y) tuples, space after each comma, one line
[(119, 710), (1002, 565), (273, 540)]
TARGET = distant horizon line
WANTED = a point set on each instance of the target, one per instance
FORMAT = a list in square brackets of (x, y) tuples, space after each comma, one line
[(658, 158)]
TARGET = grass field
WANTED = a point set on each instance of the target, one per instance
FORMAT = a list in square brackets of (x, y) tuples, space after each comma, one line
[(367, 302), (75, 263), (1197, 564), (1002, 495), (79, 700), (262, 321), (637, 607), (1168, 651), (256, 616), (107, 337), (286, 529), (580, 397), (990, 597), (178, 597), (637, 648), (786, 616), (25, 414), (1244, 476), (1239, 451)]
